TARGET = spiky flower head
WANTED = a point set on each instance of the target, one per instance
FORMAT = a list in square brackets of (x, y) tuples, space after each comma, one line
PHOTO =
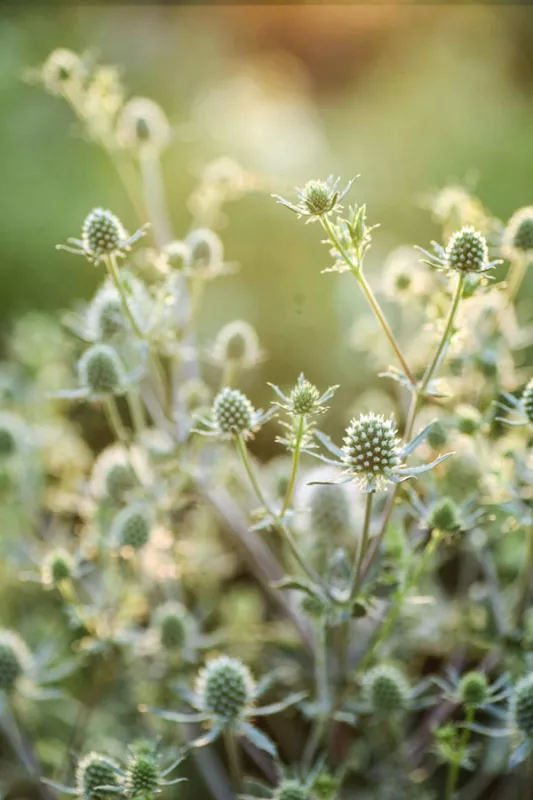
[(232, 412), (63, 71), (205, 251), (522, 705), (371, 450), (131, 527), (57, 567), (518, 236), (105, 316), (437, 436), (172, 622), (143, 776), (468, 419), (225, 688), (473, 689), (445, 516), (15, 659), (113, 475), (304, 397), (329, 511), (386, 690), (317, 198), (467, 251), (102, 232), (143, 125), (292, 790), (527, 400), (237, 342), (100, 370), (96, 771)]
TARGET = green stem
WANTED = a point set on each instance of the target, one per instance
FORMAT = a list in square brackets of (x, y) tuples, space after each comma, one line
[(114, 419), (295, 462), (365, 541), (323, 696), (453, 772), (234, 760), (283, 529), (394, 610), (524, 592), (112, 268), (370, 297), (137, 412), (515, 276), (441, 349)]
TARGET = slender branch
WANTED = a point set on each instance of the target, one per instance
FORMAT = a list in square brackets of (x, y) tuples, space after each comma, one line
[(295, 462), (114, 274), (234, 760), (365, 541), (453, 772), (114, 419)]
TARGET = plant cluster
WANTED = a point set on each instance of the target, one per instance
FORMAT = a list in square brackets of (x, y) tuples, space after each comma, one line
[(353, 619)]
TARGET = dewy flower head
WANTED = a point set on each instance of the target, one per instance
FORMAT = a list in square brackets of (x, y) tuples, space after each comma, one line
[(518, 235), (97, 776), (373, 455), (102, 235), (317, 199), (465, 253)]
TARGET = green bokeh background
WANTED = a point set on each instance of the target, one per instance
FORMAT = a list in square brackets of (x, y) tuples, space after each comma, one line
[(410, 97)]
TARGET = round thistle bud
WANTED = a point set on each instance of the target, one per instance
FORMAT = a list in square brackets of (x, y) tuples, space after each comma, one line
[(171, 621), (100, 370), (237, 342), (467, 251), (371, 449), (131, 527), (143, 776), (105, 316), (143, 124), (518, 236), (102, 232), (119, 479), (522, 705), (468, 420), (225, 688), (57, 567), (304, 398), (473, 689), (62, 70), (437, 436), (527, 400), (386, 690), (317, 197), (205, 249), (291, 790), (329, 511), (15, 659), (94, 772), (445, 516), (113, 475), (232, 411)]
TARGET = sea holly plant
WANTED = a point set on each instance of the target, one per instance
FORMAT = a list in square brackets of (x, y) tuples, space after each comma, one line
[(183, 540)]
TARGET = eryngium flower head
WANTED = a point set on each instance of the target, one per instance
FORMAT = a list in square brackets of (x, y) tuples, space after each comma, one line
[(113, 475), (522, 705), (171, 620), (205, 251), (63, 71), (371, 450), (96, 771), (131, 527), (15, 659), (518, 236), (527, 401), (291, 790), (105, 316), (57, 567), (445, 516), (329, 511), (237, 343), (467, 251), (473, 689), (102, 232), (143, 776), (386, 690), (225, 688), (232, 412), (304, 398), (143, 125), (100, 370), (317, 198)]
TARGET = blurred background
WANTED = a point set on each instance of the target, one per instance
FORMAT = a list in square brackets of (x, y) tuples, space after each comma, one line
[(411, 98)]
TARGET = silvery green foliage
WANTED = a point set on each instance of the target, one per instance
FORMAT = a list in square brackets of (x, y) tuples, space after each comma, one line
[(384, 624)]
